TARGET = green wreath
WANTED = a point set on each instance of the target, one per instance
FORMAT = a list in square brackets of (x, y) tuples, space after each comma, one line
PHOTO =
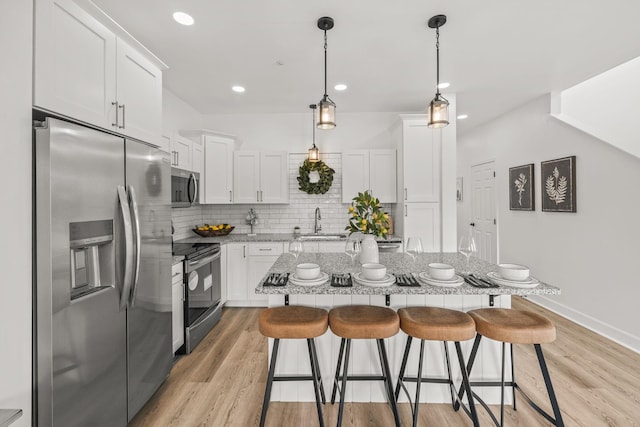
[(323, 184)]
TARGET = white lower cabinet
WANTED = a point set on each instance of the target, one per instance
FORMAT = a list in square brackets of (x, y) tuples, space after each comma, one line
[(177, 306), (247, 264)]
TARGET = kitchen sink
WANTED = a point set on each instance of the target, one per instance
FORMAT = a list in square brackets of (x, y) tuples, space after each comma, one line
[(323, 237)]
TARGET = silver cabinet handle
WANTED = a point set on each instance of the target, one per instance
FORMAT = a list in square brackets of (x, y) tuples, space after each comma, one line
[(123, 114), (265, 249), (406, 210), (261, 199), (258, 195), (177, 158), (133, 204), (405, 193), (117, 106), (230, 196), (244, 251)]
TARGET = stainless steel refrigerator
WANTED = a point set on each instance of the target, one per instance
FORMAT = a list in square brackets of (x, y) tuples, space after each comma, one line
[(102, 294)]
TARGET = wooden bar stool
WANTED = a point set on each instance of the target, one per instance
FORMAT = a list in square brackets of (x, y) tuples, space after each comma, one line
[(514, 327), (436, 324), (363, 322), (294, 322)]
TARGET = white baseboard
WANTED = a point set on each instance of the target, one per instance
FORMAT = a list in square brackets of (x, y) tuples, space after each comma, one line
[(611, 332)]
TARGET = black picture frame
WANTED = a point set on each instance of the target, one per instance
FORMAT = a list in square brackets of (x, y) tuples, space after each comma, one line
[(522, 188), (558, 185)]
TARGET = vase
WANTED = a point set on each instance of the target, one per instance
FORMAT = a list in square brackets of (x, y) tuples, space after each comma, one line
[(369, 250)]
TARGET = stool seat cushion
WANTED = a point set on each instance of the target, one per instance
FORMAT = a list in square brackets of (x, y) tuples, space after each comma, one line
[(293, 321), (513, 326), (364, 322), (436, 324)]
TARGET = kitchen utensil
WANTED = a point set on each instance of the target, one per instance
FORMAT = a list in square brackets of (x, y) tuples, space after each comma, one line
[(320, 280), (307, 271), (532, 282), (387, 280), (513, 272), (455, 281), (439, 271), (373, 272)]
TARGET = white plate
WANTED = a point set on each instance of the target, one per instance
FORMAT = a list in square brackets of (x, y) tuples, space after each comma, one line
[(388, 280), (294, 280), (532, 282), (456, 281)]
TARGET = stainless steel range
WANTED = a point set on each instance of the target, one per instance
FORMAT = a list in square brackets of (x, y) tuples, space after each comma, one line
[(203, 288)]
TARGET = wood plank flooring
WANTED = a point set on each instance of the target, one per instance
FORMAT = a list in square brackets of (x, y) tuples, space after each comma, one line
[(222, 382)]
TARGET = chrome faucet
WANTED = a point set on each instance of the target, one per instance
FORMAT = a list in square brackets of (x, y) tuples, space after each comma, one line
[(316, 226)]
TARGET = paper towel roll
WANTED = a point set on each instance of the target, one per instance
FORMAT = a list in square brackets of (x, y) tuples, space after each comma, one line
[(193, 280), (208, 282)]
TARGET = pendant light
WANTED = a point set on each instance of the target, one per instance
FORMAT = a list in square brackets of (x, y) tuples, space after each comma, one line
[(438, 110), (326, 107), (314, 153)]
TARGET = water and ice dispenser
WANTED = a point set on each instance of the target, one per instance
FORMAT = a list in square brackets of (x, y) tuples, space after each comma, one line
[(91, 245)]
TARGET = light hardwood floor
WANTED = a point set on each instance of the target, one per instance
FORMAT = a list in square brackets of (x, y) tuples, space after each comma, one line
[(222, 382)]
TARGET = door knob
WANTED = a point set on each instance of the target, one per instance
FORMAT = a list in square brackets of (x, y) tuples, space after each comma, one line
[(473, 224)]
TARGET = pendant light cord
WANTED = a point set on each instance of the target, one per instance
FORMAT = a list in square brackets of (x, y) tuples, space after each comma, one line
[(437, 61), (325, 63), (313, 123)]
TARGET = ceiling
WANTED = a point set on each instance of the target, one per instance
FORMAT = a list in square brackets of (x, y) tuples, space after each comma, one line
[(497, 54)]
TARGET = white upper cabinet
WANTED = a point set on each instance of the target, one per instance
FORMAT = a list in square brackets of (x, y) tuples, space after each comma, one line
[(218, 170), (421, 162), (84, 71), (181, 153), (260, 177), (373, 170)]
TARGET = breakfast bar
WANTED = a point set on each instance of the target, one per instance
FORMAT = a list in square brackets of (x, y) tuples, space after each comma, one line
[(464, 297)]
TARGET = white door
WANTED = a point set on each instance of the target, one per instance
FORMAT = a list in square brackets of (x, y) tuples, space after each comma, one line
[(382, 175), (246, 176), (75, 63), (423, 220), (139, 90), (218, 179), (355, 174), (274, 173), (421, 163), (483, 211)]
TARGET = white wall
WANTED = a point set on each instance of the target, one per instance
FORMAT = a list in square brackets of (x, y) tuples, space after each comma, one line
[(177, 114), (606, 106), (591, 255), (15, 259)]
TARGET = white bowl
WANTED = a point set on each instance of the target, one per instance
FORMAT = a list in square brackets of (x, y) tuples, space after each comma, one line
[(440, 271), (371, 271), (513, 272), (307, 271)]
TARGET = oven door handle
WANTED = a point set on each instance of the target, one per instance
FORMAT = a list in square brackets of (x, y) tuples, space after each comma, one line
[(196, 264)]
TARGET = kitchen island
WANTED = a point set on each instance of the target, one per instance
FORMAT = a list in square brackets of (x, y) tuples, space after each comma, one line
[(292, 354)]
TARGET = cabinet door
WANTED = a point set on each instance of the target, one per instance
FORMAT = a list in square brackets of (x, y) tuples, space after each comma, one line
[(218, 171), (246, 176), (423, 220), (274, 171), (237, 272), (177, 315), (139, 94), (355, 174), (181, 148), (165, 144), (75, 70), (421, 163), (223, 274), (382, 175), (258, 267)]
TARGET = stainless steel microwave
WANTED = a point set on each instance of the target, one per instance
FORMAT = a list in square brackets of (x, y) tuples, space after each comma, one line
[(185, 188)]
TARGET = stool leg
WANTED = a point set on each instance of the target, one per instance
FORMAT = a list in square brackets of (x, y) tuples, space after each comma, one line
[(547, 381), (316, 386), (467, 386), (387, 375), (418, 383), (513, 378), (318, 375), (403, 366), (502, 389), (472, 358), (335, 380), (343, 387), (267, 392), (451, 387)]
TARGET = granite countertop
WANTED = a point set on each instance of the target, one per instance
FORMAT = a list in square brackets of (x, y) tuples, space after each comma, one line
[(177, 259), (396, 263), (265, 237)]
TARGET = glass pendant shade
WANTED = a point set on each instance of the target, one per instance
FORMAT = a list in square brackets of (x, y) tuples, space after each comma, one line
[(314, 154), (326, 114), (438, 112)]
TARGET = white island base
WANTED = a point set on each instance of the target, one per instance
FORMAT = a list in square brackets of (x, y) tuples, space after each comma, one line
[(293, 356)]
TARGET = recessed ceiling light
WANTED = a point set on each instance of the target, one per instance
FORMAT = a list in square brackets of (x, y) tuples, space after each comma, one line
[(183, 18), (444, 85), (238, 89), (462, 116), (340, 86)]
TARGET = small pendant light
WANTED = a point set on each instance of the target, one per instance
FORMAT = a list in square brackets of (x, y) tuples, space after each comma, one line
[(438, 110), (314, 153), (326, 107)]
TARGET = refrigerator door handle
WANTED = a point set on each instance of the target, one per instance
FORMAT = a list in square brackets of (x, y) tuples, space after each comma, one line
[(128, 246), (136, 241), (192, 178)]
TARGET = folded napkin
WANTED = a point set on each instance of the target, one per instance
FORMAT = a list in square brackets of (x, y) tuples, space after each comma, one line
[(276, 279), (341, 280)]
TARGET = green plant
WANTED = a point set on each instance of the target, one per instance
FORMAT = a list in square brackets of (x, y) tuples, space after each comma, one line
[(367, 216), (322, 185)]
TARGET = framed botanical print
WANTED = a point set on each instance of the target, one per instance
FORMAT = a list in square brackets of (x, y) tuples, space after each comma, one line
[(522, 188), (558, 179)]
